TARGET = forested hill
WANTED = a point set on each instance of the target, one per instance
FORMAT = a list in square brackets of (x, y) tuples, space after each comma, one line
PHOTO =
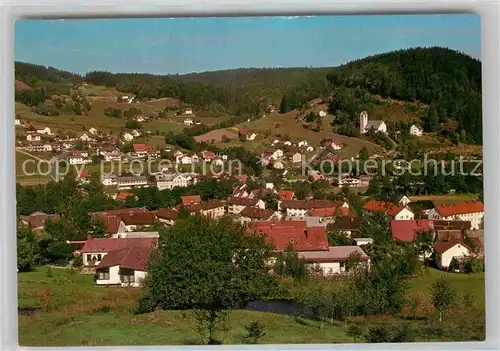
[(447, 80), (32, 74)]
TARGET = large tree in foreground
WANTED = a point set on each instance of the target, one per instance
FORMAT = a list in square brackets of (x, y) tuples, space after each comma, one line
[(207, 265)]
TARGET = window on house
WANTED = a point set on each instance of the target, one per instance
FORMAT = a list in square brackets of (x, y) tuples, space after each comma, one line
[(103, 274), (89, 258), (127, 275), (99, 257)]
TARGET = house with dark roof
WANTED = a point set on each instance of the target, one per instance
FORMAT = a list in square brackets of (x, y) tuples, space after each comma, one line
[(346, 225), (123, 267), (236, 204), (167, 215), (472, 212), (133, 221), (250, 213), (95, 250)]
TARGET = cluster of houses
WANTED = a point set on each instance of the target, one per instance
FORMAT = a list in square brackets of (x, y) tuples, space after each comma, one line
[(121, 256)]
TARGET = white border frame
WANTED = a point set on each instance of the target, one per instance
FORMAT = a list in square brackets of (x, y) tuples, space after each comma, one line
[(490, 18)]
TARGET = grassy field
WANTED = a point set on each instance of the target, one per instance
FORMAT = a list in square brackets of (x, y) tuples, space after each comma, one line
[(72, 311), (445, 198)]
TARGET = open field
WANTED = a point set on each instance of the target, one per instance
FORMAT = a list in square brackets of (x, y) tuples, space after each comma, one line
[(286, 126), (445, 198), (71, 310)]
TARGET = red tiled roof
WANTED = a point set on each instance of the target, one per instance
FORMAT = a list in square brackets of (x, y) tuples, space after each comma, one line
[(443, 246), (407, 229), (111, 244), (167, 213), (38, 219), (83, 174), (111, 223), (123, 195), (139, 218), (446, 210), (208, 154), (190, 199), (381, 206), (286, 194), (283, 233), (133, 257)]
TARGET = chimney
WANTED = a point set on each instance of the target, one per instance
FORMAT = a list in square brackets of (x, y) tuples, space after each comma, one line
[(89, 236)]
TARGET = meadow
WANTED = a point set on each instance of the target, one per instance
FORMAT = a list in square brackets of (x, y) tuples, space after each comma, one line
[(60, 307)]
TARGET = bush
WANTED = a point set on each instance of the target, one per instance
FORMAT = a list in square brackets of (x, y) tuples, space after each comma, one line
[(381, 334), (77, 261), (255, 331), (48, 273)]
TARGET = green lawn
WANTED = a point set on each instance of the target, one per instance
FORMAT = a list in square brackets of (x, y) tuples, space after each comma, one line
[(80, 314)]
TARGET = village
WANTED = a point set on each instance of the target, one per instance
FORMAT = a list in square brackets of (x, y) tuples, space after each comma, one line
[(116, 259)]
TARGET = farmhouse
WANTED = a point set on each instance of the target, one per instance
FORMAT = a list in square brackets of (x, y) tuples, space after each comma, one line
[(188, 121), (472, 212)]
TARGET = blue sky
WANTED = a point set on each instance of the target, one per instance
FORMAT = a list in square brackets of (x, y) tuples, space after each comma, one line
[(185, 45)]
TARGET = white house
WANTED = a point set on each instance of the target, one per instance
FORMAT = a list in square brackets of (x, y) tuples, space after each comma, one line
[(93, 131), (109, 180), (217, 161), (136, 133), (251, 136), (402, 200), (184, 160), (416, 131), (278, 165), (132, 182), (332, 261), (188, 121), (170, 181), (302, 143), (296, 157), (17, 122), (472, 212), (366, 126), (78, 160), (125, 267), (128, 137), (43, 130), (322, 113), (397, 212), (188, 111), (33, 137), (84, 137), (445, 252)]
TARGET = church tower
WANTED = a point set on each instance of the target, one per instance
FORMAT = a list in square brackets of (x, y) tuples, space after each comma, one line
[(363, 121)]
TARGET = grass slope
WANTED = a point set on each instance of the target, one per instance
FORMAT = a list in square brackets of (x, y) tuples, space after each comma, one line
[(79, 313)]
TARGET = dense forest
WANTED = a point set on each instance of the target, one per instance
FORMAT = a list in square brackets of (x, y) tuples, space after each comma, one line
[(448, 81)]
